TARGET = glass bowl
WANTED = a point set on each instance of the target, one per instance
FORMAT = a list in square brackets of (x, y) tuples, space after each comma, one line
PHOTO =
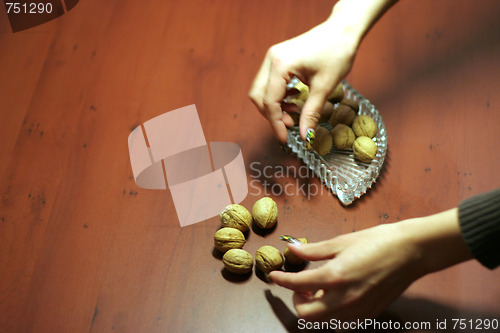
[(338, 170)]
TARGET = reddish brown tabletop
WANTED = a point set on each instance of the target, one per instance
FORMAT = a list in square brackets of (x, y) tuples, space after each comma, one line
[(84, 249)]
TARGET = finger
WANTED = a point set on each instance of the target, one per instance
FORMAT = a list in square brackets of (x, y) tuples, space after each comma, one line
[(291, 113), (311, 112), (275, 93), (305, 281), (288, 120), (317, 251), (319, 293), (258, 88), (290, 107), (301, 298), (310, 307), (322, 304)]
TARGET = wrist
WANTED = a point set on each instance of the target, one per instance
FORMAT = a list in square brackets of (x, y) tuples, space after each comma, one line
[(354, 18), (437, 241)]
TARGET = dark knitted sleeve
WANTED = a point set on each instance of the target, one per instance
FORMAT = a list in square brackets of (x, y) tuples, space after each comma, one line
[(480, 224)]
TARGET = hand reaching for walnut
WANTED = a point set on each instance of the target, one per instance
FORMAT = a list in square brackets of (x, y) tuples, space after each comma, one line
[(369, 269), (365, 274), (320, 58)]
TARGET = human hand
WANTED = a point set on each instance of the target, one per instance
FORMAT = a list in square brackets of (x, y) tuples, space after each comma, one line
[(369, 269), (320, 58)]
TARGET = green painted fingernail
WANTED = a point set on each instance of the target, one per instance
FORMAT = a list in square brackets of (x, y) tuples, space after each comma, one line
[(290, 239), (310, 136)]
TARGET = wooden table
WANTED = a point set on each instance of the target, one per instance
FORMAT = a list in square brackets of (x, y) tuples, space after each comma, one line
[(84, 249)]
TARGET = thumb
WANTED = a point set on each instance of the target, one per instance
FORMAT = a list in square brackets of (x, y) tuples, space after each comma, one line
[(316, 251)]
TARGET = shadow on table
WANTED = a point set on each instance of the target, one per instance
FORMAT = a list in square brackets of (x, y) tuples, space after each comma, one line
[(429, 316), (276, 173)]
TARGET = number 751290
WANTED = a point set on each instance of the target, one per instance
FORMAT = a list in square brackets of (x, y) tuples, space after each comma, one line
[(28, 8), (475, 324)]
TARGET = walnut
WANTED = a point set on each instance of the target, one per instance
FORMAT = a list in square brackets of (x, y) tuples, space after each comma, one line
[(365, 126), (265, 213), (364, 149), (343, 136), (298, 103), (303, 91), (236, 216), (292, 258), (268, 258), (337, 94), (342, 114), (351, 103), (228, 238), (238, 261), (323, 141)]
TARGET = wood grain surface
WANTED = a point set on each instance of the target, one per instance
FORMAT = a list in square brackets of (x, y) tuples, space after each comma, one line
[(84, 249)]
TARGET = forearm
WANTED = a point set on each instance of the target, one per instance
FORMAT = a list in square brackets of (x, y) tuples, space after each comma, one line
[(356, 17), (437, 239)]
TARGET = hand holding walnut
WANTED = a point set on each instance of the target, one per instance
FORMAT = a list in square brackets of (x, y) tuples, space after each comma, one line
[(320, 57)]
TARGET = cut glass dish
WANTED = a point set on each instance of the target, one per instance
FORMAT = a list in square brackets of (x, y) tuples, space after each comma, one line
[(339, 171)]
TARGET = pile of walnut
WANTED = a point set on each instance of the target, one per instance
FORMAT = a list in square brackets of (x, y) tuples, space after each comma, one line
[(229, 239), (349, 130)]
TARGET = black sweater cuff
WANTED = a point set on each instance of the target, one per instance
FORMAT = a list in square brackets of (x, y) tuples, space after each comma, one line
[(480, 224)]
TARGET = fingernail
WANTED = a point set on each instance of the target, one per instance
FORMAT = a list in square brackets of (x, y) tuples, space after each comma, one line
[(283, 147), (290, 239), (310, 136)]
